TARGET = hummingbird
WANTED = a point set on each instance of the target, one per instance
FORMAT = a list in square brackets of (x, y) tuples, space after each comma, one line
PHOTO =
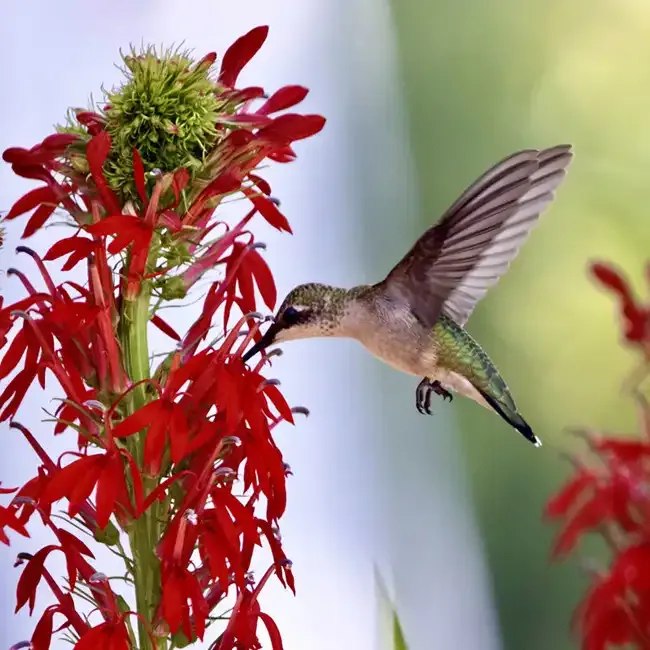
[(414, 319)]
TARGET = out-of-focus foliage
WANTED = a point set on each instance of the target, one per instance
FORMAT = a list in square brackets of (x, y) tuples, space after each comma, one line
[(480, 80), (391, 628)]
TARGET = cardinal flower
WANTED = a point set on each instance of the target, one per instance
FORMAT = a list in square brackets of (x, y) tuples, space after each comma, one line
[(172, 461), (610, 498)]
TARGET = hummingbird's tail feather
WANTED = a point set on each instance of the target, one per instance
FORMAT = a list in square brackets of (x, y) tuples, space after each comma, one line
[(513, 418)]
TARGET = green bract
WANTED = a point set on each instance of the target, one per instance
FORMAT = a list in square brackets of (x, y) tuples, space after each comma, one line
[(167, 110)]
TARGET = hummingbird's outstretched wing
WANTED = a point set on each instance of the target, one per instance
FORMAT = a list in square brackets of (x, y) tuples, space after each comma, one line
[(455, 262)]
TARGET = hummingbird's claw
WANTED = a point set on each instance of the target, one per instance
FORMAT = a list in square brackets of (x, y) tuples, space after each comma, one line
[(443, 392), (423, 395)]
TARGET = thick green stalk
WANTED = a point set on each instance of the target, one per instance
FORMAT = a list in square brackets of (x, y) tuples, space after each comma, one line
[(145, 532)]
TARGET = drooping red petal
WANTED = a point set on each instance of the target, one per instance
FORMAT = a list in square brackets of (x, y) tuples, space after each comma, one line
[(240, 53), (290, 127), (268, 210), (38, 219), (32, 199), (165, 327), (283, 98), (272, 629), (611, 278), (96, 153), (263, 278), (138, 177)]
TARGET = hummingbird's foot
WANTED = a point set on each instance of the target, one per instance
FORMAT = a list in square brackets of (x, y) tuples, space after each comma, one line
[(423, 395), (439, 390)]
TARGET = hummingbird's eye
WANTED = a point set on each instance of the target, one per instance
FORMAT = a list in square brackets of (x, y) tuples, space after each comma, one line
[(291, 316)]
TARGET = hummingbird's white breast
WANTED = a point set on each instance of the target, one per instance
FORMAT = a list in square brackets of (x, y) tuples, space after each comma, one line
[(391, 332)]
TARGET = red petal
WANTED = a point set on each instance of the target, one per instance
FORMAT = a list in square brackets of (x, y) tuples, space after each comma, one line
[(36, 221), (96, 153), (240, 53), (591, 515), (283, 155), (611, 278), (277, 399), (262, 185), (272, 629), (268, 210), (179, 182), (165, 327), (178, 433), (59, 141), (245, 283), (263, 278), (291, 127), (14, 353), (108, 487), (136, 422), (42, 635), (68, 539), (30, 200), (68, 245), (154, 443), (174, 600), (207, 61), (138, 176), (30, 578), (565, 500), (626, 451), (283, 98), (253, 119)]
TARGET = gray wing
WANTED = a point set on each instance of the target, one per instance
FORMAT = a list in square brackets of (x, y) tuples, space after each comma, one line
[(455, 262)]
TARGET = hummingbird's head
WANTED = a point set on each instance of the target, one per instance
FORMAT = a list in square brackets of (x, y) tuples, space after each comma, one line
[(308, 311)]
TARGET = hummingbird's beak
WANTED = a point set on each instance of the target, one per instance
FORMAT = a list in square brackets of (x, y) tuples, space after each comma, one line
[(266, 340)]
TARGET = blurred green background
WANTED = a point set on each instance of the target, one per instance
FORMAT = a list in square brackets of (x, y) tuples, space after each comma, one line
[(479, 81)]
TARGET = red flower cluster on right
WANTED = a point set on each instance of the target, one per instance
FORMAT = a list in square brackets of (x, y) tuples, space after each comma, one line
[(613, 499)]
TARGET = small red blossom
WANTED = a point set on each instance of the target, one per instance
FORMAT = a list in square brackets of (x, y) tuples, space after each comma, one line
[(110, 635)]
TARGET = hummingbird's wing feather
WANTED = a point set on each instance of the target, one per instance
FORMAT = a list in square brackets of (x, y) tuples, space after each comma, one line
[(455, 262)]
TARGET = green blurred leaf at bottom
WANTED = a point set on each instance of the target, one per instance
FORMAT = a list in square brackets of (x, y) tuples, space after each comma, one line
[(391, 634)]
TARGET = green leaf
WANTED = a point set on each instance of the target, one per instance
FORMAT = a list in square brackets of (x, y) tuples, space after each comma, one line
[(391, 629)]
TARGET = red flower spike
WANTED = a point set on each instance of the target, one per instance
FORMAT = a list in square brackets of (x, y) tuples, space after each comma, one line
[(240, 53), (206, 420)]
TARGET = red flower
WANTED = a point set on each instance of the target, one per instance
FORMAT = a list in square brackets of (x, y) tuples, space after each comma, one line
[(8, 519), (179, 589), (635, 317), (104, 473), (111, 635)]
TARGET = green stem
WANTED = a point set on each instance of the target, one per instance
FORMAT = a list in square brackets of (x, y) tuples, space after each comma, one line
[(144, 533)]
